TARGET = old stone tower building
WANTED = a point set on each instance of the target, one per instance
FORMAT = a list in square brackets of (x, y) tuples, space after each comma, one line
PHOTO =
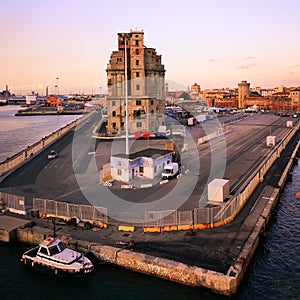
[(244, 92), (145, 85)]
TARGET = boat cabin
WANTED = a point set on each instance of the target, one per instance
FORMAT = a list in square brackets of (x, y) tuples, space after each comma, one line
[(50, 247)]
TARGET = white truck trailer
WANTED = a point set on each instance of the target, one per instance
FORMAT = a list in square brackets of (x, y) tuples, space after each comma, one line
[(170, 170)]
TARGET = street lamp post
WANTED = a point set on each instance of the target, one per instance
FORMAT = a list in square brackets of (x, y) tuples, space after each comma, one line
[(125, 36), (57, 91)]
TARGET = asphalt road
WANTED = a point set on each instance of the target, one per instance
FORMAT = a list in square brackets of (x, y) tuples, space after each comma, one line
[(51, 179), (74, 176)]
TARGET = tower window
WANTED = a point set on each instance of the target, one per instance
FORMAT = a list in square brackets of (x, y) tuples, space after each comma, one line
[(138, 102), (137, 113), (137, 51), (137, 74), (139, 124), (114, 125), (113, 113), (137, 62), (137, 87), (113, 103), (136, 42)]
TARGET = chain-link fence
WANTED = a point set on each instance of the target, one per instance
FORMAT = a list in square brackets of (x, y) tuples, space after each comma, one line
[(160, 218), (14, 203), (68, 210), (185, 217)]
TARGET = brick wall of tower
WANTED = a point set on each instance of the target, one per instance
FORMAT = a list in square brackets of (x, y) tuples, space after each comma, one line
[(137, 63)]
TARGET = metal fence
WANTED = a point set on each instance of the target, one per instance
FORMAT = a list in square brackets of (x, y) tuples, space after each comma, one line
[(14, 203), (185, 217), (68, 210), (160, 218)]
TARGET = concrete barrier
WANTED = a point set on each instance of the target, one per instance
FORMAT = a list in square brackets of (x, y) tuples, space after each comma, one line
[(185, 227), (152, 229), (126, 228)]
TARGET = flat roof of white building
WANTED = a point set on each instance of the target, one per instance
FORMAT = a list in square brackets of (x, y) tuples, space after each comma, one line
[(150, 152)]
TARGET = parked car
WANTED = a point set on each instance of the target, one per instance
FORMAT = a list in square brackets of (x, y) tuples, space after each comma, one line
[(52, 154)]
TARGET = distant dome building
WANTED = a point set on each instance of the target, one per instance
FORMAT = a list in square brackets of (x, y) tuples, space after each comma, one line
[(195, 88), (195, 91)]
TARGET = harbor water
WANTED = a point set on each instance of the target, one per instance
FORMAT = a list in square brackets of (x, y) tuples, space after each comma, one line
[(17, 133), (273, 274)]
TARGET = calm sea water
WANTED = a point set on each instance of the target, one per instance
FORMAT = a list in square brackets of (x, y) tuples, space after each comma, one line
[(273, 274), (19, 132)]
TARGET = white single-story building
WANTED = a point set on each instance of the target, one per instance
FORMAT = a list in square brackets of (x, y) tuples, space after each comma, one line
[(147, 163)]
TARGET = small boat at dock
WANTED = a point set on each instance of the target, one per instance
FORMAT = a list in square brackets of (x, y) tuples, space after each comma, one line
[(51, 256)]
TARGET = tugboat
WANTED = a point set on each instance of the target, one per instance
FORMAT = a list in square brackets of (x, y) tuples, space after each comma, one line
[(51, 256)]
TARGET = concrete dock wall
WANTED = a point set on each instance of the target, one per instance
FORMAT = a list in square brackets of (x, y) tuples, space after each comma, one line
[(164, 268), (9, 228), (139, 262), (244, 259)]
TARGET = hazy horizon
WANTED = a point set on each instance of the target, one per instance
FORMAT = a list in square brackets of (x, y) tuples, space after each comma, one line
[(216, 44)]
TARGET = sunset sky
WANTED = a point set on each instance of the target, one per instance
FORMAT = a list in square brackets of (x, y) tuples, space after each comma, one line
[(215, 43)]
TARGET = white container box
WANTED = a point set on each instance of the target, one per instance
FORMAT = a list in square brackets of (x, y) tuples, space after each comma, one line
[(271, 140), (218, 190)]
